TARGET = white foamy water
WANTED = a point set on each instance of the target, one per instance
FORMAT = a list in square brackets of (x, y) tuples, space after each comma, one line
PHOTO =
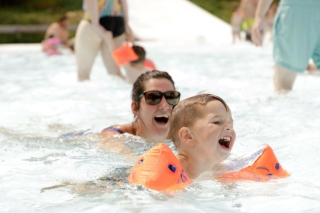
[(40, 99)]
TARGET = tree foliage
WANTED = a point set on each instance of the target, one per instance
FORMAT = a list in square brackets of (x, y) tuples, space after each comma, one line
[(220, 8), (42, 4)]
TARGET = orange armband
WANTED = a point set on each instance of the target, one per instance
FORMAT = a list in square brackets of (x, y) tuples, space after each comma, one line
[(124, 55), (266, 167), (149, 64), (159, 169)]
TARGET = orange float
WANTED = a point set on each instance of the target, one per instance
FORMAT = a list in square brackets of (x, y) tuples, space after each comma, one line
[(149, 64), (160, 170), (264, 168), (124, 54)]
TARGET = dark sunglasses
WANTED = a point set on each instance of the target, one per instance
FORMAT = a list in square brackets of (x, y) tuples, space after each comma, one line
[(154, 97)]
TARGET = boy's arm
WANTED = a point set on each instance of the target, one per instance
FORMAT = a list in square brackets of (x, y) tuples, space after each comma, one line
[(236, 164)]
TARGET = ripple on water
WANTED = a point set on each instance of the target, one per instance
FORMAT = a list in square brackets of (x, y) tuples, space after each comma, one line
[(40, 100)]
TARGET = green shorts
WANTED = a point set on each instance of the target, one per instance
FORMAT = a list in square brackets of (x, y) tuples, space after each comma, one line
[(296, 34)]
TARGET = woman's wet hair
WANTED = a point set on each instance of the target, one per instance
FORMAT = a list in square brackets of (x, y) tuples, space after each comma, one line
[(187, 112), (139, 85)]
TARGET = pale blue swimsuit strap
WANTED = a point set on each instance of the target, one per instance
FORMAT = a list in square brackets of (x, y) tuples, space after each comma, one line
[(76, 134), (113, 128)]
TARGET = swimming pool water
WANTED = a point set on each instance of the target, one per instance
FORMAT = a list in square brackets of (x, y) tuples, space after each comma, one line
[(40, 99)]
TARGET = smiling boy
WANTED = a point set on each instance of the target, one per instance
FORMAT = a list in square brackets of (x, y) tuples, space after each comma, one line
[(201, 127)]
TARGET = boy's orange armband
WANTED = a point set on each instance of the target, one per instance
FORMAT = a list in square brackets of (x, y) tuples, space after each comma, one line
[(265, 168), (160, 170)]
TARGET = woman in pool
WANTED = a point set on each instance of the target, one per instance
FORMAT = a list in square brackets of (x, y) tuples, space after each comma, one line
[(153, 97)]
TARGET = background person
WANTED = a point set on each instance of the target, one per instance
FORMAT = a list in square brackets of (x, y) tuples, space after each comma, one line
[(57, 36), (135, 68), (236, 22), (133, 59), (270, 17), (59, 30), (51, 45), (292, 46), (248, 8), (101, 17)]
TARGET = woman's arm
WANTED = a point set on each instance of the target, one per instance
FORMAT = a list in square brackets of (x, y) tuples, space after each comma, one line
[(117, 129), (128, 31), (108, 133)]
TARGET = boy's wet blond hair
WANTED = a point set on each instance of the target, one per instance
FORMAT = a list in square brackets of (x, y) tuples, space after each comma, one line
[(187, 111)]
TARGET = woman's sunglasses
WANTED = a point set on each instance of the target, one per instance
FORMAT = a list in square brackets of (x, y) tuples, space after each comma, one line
[(154, 97)]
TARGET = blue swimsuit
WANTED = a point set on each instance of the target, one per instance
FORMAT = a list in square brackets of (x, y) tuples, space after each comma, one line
[(113, 128)]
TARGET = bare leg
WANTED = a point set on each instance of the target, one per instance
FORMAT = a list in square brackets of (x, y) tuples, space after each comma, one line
[(87, 43), (283, 79), (110, 64)]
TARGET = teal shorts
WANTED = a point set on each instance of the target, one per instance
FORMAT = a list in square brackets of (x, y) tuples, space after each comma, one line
[(296, 34)]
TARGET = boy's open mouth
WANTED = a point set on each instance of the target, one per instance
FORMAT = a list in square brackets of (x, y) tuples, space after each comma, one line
[(225, 141), (162, 119)]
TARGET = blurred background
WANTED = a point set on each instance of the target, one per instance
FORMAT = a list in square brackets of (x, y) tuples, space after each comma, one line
[(38, 15), (26, 21)]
